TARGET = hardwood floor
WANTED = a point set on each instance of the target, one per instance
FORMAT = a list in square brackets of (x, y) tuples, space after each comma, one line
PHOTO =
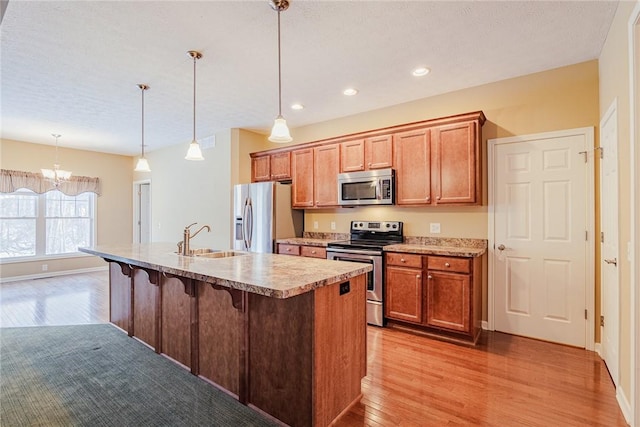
[(412, 380)]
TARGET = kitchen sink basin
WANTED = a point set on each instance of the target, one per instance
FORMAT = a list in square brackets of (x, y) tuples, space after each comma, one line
[(219, 254)]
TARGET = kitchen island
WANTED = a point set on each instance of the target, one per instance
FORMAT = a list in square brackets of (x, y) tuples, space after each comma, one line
[(284, 335)]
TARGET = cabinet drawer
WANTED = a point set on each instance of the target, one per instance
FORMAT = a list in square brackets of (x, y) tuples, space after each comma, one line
[(313, 251), (404, 260), (288, 249), (460, 265)]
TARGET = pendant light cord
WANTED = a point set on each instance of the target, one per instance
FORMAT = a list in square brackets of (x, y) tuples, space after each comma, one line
[(194, 97), (142, 88), (279, 70)]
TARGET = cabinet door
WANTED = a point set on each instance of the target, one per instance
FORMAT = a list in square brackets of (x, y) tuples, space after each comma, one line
[(285, 249), (413, 167), (403, 294), (302, 178), (261, 168), (456, 164), (379, 152), (326, 168), (281, 166), (448, 299), (352, 156)]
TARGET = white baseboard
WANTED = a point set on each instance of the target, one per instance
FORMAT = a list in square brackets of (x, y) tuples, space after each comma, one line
[(485, 325), (598, 349), (623, 402), (51, 274)]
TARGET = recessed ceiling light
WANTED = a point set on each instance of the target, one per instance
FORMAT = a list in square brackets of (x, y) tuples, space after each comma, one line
[(350, 91), (421, 71), (297, 106)]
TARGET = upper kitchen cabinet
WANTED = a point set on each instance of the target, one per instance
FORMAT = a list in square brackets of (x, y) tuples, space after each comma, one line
[(271, 167), (367, 154), (440, 164), (413, 167), (315, 176)]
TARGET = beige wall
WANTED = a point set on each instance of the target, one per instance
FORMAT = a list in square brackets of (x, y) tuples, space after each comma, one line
[(114, 219), (184, 192), (614, 84)]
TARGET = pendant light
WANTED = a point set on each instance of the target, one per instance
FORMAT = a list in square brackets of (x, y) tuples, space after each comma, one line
[(280, 131), (143, 164), (194, 152), (56, 175)]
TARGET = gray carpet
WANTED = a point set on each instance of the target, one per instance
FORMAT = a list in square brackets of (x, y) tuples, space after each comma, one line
[(94, 375)]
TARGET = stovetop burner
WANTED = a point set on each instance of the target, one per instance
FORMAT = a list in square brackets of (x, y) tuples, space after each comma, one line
[(373, 235)]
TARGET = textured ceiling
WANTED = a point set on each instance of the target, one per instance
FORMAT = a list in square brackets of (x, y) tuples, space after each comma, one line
[(72, 67)]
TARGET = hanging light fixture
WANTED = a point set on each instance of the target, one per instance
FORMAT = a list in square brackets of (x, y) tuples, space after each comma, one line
[(56, 175), (194, 152), (143, 164), (280, 131)]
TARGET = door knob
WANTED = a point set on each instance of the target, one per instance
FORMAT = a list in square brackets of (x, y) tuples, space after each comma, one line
[(501, 247), (611, 261)]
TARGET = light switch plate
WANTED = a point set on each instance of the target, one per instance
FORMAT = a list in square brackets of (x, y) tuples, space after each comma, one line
[(434, 227), (333, 225), (315, 225)]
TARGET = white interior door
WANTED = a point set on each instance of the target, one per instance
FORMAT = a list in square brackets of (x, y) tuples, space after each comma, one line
[(540, 235), (609, 239), (145, 213)]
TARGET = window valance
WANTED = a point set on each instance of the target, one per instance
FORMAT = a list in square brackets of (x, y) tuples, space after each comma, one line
[(11, 181)]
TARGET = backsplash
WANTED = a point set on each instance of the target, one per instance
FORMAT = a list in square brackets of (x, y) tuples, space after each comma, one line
[(326, 236), (446, 241)]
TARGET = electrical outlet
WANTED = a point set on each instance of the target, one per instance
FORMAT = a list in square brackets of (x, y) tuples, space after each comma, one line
[(45, 267), (333, 225), (434, 227), (315, 225)]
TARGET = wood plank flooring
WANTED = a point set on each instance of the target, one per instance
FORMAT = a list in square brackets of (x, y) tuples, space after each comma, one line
[(412, 380)]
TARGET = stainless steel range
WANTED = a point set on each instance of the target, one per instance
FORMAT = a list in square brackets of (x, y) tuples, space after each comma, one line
[(366, 243)]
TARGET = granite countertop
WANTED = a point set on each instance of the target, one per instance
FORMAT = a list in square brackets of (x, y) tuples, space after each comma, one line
[(441, 246), (272, 275)]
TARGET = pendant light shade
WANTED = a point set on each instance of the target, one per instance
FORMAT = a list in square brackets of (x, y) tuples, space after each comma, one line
[(194, 152), (56, 175), (280, 131), (143, 164)]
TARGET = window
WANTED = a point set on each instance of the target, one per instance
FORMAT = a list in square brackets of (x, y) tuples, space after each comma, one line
[(46, 224)]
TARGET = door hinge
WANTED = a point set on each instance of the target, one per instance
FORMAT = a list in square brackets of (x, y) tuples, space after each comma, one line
[(601, 151), (585, 314), (602, 321), (586, 235), (602, 237)]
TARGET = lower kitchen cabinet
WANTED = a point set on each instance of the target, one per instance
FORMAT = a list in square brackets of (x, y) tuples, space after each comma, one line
[(437, 295), (302, 250)]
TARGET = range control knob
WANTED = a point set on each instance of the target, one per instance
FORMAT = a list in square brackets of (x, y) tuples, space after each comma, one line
[(395, 225), (361, 225), (388, 225)]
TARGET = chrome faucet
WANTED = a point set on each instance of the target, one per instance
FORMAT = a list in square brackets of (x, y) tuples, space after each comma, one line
[(184, 245)]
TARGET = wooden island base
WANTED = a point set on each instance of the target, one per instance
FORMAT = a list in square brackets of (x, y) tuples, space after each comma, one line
[(298, 359)]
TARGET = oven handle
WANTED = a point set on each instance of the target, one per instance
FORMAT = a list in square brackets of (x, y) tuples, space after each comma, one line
[(352, 251)]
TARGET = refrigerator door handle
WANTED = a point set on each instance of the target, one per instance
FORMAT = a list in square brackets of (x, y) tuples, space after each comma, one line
[(250, 224), (245, 216)]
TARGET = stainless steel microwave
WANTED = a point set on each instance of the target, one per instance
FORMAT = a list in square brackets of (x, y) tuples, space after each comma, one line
[(375, 187)]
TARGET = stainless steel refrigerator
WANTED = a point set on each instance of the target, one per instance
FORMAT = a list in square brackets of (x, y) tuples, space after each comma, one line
[(262, 213)]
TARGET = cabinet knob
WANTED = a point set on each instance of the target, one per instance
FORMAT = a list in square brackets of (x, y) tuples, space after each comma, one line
[(313, 252), (417, 276), (402, 260), (288, 249), (446, 264), (438, 198), (361, 165), (429, 277), (369, 164), (428, 198)]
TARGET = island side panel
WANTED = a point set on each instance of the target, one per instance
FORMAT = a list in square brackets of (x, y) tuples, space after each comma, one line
[(219, 329), (176, 320), (340, 353), (119, 297), (145, 309), (280, 357)]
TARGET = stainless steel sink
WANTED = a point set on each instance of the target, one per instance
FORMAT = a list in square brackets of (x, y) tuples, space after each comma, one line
[(219, 254)]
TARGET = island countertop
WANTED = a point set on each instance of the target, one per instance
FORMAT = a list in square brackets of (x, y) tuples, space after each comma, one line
[(272, 275)]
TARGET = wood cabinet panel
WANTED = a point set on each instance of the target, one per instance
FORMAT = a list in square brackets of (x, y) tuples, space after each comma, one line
[(313, 252), (452, 264), (448, 301), (176, 321), (119, 297), (379, 152), (146, 299), (352, 156), (404, 260), (456, 164), (261, 168), (219, 340), (413, 167), (281, 166), (302, 172), (326, 168), (285, 249), (404, 294)]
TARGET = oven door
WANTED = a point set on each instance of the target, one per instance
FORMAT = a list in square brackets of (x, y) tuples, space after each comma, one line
[(374, 278)]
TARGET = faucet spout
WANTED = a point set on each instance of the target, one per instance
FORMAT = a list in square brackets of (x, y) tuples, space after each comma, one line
[(201, 228)]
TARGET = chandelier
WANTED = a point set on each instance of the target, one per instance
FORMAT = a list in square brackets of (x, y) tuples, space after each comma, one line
[(56, 175)]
